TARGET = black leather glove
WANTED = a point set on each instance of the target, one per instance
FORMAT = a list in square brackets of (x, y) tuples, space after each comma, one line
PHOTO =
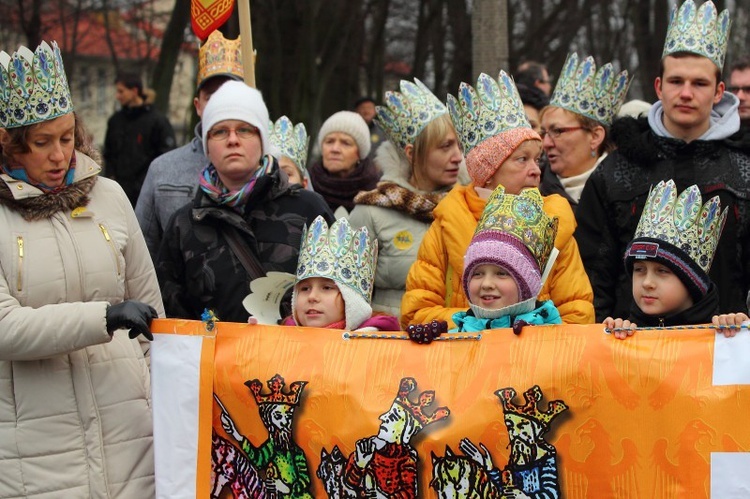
[(425, 333), (133, 315)]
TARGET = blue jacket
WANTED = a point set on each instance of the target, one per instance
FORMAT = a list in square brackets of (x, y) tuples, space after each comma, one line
[(545, 313)]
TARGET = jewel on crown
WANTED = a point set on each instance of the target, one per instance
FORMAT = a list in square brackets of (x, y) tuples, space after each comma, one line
[(683, 221), (291, 140), (346, 256), (277, 396), (529, 409), (596, 94), (406, 113), (523, 217), (699, 31), (219, 56), (493, 107), (418, 409), (33, 86)]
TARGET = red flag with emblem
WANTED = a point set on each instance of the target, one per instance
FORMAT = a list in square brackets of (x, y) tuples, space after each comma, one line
[(208, 15)]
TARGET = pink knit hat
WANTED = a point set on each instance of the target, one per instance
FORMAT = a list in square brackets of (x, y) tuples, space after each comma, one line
[(486, 158), (506, 251)]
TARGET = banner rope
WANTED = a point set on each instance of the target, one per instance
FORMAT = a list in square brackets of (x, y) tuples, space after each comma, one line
[(381, 336), (674, 328)]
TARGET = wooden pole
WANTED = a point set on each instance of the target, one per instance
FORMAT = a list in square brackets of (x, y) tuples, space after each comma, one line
[(246, 33)]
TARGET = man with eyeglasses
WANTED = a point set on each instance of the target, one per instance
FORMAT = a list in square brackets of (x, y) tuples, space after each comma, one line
[(690, 136), (739, 85)]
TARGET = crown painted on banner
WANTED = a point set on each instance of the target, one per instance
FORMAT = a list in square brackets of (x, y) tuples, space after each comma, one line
[(418, 409), (596, 94), (291, 140), (492, 108), (277, 396), (219, 57), (529, 409), (33, 86), (683, 221), (346, 256), (700, 31), (523, 217), (406, 113)]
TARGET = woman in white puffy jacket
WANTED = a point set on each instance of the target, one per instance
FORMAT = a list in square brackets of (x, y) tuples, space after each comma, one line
[(75, 411)]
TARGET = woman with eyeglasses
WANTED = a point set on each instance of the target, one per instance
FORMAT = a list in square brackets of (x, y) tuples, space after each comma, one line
[(575, 126), (245, 220)]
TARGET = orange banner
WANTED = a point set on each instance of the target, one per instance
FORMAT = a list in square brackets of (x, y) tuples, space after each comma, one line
[(208, 15), (562, 410)]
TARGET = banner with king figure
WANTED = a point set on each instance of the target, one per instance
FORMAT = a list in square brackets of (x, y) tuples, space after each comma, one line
[(556, 411)]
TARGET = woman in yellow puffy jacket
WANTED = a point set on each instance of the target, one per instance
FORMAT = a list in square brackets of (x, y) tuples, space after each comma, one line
[(501, 149)]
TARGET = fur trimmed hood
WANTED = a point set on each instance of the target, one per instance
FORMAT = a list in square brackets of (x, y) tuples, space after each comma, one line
[(34, 204)]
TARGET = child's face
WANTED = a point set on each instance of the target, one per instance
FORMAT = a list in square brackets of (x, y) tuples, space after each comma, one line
[(491, 287), (520, 170), (657, 290), (291, 170), (318, 302)]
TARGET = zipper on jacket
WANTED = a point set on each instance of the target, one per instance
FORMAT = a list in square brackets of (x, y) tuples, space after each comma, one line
[(111, 245), (19, 284)]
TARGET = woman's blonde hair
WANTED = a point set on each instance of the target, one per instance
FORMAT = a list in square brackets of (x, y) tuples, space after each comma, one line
[(428, 138)]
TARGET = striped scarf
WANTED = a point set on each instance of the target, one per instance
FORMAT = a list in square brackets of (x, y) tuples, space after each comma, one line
[(211, 184), (18, 172)]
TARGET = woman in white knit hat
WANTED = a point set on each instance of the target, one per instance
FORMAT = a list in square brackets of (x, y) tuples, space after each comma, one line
[(344, 169), (245, 220)]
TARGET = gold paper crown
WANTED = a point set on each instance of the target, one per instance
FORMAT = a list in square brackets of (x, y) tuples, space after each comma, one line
[(529, 409), (346, 256), (683, 221), (490, 109), (291, 140), (523, 217), (219, 57), (33, 86), (276, 384), (408, 112), (698, 31), (584, 90), (417, 409)]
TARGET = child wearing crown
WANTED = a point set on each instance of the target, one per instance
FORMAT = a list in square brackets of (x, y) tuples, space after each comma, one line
[(335, 274), (504, 267), (291, 142), (669, 259)]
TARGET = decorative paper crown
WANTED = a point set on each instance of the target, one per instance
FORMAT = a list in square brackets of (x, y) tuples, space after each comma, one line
[(33, 86), (219, 57), (703, 32), (683, 221), (291, 140), (584, 90), (492, 108), (407, 113), (523, 217), (529, 409), (417, 409), (276, 384), (347, 257)]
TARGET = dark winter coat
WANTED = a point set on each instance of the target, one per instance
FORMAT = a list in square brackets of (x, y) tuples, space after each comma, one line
[(197, 268), (135, 137), (614, 196)]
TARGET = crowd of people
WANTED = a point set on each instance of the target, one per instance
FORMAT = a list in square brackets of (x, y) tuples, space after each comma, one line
[(510, 204)]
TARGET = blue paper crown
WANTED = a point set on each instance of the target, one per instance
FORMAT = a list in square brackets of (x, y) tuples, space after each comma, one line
[(291, 140), (584, 90), (494, 107), (698, 31), (33, 86)]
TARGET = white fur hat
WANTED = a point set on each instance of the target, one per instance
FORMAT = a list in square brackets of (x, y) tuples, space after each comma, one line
[(350, 123), (234, 100)]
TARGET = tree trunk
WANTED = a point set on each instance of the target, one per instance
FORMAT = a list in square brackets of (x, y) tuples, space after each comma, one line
[(161, 81)]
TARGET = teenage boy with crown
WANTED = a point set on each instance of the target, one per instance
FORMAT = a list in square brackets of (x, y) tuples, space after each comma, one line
[(335, 274), (669, 259), (172, 178), (690, 136), (504, 267)]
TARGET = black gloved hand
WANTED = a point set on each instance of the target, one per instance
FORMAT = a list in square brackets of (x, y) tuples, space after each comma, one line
[(133, 315), (425, 333)]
